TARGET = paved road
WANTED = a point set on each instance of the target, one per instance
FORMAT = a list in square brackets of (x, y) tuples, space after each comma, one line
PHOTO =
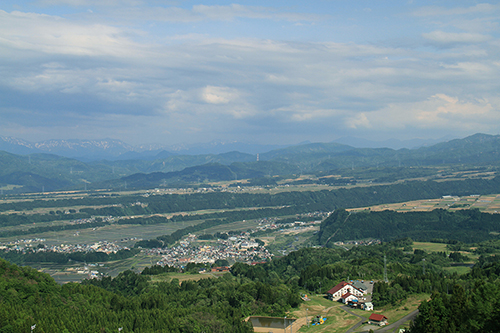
[(348, 310), (394, 327)]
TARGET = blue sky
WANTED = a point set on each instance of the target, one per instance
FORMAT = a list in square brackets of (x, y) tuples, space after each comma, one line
[(277, 72)]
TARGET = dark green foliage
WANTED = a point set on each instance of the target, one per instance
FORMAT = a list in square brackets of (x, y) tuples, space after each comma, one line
[(463, 225), (468, 310), (156, 270), (28, 297), (62, 258)]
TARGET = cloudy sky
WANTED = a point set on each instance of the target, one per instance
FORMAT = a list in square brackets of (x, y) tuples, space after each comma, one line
[(277, 72)]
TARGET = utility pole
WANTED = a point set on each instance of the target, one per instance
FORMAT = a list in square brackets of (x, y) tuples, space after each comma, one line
[(386, 280)]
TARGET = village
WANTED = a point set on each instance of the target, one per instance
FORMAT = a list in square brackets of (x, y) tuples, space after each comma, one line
[(239, 248)]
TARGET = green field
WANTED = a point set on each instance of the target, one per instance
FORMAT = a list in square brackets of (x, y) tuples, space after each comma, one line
[(430, 247), (167, 277), (485, 203)]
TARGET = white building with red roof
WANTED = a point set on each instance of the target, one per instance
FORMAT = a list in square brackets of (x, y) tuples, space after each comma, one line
[(346, 298), (342, 289)]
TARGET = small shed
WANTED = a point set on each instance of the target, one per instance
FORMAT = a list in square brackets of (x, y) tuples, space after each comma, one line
[(377, 319), (367, 306)]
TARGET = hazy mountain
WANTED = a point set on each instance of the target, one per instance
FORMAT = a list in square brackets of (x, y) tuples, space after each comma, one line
[(81, 149), (111, 149), (390, 143), (219, 147), (49, 171), (17, 146)]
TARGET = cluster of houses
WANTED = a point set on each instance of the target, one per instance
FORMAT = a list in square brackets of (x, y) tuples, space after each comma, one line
[(28, 246), (236, 248)]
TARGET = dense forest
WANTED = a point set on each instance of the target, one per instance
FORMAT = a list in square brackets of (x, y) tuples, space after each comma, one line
[(468, 225), (28, 298), (133, 302)]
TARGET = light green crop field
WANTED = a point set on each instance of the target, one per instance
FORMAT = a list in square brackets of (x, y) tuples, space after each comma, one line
[(167, 277), (485, 203), (430, 247), (457, 269)]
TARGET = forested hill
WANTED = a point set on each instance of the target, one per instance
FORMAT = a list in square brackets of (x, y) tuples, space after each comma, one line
[(219, 305), (129, 301), (38, 172), (467, 226)]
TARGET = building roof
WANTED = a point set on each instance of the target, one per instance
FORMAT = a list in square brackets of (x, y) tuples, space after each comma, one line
[(347, 295), (359, 285), (377, 317), (338, 287)]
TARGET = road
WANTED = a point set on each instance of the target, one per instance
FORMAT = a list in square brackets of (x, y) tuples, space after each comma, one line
[(394, 327)]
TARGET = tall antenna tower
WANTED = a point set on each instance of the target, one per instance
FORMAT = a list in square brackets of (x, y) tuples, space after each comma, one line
[(385, 269)]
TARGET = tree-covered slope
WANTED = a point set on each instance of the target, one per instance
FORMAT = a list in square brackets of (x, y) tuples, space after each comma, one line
[(29, 298), (464, 225)]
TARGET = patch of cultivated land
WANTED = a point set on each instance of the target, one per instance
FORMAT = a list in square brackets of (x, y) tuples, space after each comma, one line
[(430, 247), (485, 203), (167, 277)]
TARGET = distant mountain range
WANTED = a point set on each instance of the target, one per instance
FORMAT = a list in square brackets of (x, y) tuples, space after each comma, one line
[(112, 149), (37, 172)]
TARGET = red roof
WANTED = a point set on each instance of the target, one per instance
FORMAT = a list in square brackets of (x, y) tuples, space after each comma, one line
[(377, 317), (337, 287), (347, 295)]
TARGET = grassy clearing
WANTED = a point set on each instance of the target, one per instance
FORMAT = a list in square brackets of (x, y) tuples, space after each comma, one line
[(339, 320), (457, 269), (167, 277), (430, 247), (394, 313)]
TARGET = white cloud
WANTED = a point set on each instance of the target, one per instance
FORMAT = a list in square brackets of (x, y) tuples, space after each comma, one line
[(87, 3), (235, 10), (453, 38), (55, 35), (219, 95), (358, 121), (439, 112), (484, 8)]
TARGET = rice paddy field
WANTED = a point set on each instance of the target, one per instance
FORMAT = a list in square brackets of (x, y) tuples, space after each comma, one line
[(485, 203)]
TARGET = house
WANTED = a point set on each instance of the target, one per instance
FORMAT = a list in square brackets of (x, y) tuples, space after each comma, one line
[(341, 289), (346, 298), (220, 269), (368, 306), (377, 319)]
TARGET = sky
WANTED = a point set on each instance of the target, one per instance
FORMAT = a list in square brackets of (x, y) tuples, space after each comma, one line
[(266, 72)]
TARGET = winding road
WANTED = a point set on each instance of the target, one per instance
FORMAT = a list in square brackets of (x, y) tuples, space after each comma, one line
[(394, 327)]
